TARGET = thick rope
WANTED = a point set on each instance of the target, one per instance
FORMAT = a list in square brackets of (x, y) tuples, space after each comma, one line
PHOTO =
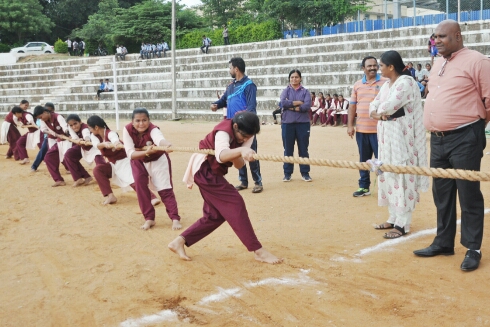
[(469, 175)]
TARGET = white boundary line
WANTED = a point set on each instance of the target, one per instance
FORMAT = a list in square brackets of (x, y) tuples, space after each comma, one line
[(221, 295)]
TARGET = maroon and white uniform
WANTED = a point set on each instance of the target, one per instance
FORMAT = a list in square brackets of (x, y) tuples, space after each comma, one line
[(155, 170), (10, 134), (222, 202)]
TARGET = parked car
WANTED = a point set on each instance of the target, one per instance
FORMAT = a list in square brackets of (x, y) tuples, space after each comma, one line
[(34, 48)]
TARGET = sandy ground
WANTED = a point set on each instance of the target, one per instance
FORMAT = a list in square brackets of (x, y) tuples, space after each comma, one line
[(69, 261)]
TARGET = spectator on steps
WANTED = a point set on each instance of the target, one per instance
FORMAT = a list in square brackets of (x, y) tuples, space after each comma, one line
[(100, 90), (225, 35), (68, 43), (206, 43), (165, 48), (119, 52), (109, 87), (75, 47), (81, 48), (143, 50)]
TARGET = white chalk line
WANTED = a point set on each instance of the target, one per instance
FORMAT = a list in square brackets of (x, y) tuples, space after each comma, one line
[(390, 243), (221, 295)]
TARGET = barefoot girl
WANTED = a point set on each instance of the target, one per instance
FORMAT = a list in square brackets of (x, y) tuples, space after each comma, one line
[(118, 168), (231, 140), (53, 124), (10, 133), (30, 139), (150, 166), (79, 132)]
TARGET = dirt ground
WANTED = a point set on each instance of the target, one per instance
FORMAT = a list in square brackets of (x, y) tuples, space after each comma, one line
[(69, 261)]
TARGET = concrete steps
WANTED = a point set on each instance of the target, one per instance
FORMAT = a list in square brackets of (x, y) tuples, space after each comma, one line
[(330, 64)]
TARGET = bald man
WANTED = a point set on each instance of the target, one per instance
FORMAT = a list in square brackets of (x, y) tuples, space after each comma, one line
[(456, 112)]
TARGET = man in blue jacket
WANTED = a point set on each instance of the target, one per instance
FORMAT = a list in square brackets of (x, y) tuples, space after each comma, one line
[(241, 95)]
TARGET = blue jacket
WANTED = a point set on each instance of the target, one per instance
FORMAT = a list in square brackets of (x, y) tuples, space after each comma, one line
[(239, 96)]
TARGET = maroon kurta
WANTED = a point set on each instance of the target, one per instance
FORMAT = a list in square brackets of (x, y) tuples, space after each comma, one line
[(13, 136), (222, 202), (141, 177)]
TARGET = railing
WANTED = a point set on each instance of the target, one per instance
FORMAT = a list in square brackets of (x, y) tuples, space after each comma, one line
[(381, 24)]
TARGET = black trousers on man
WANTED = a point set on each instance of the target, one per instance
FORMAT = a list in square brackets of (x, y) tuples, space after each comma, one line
[(459, 150)]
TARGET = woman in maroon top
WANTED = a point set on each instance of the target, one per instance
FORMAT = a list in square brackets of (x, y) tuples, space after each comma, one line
[(231, 140)]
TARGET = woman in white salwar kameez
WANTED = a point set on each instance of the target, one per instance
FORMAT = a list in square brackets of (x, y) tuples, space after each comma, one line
[(401, 142)]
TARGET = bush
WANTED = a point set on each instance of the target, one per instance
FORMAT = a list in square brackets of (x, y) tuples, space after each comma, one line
[(253, 32), (4, 48), (60, 46)]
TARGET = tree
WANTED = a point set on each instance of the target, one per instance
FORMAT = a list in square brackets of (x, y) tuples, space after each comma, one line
[(313, 13), (100, 25), (21, 20), (220, 12)]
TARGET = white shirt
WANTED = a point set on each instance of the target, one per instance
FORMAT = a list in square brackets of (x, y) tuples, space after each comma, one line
[(156, 137), (109, 86), (420, 74), (119, 50)]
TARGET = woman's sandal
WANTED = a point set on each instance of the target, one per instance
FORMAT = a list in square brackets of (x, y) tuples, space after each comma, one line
[(384, 226), (396, 232)]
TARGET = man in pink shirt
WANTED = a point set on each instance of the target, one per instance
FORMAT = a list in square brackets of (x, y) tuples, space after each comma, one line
[(456, 112)]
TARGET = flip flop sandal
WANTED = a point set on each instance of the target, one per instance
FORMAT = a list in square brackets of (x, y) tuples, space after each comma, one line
[(384, 226), (394, 233), (257, 189), (241, 187)]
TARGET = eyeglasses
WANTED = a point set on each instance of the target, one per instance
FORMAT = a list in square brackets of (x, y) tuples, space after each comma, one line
[(441, 72)]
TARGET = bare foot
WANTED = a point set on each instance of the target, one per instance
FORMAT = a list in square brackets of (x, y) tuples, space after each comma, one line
[(88, 180), (263, 255), (60, 183), (176, 225), (155, 202), (24, 161), (110, 199), (177, 246), (148, 224), (78, 182)]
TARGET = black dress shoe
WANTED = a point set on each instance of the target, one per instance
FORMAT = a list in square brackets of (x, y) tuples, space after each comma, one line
[(434, 250), (471, 260)]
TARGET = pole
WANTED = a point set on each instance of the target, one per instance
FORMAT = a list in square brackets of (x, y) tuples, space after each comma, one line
[(481, 9), (447, 9), (459, 11), (414, 12), (174, 75), (386, 13), (116, 103)]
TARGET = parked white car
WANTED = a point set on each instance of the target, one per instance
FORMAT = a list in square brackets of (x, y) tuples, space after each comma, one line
[(34, 48)]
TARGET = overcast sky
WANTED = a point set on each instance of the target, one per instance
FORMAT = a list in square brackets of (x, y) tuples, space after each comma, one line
[(190, 3)]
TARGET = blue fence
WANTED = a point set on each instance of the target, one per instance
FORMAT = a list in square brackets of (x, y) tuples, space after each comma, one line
[(381, 24)]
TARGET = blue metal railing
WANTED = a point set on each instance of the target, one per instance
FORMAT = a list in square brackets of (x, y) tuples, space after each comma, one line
[(381, 24)]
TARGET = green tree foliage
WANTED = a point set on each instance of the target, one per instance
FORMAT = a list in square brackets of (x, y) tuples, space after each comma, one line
[(100, 25), (253, 32), (22, 19), (60, 46), (149, 21), (4, 48), (313, 13), (220, 12)]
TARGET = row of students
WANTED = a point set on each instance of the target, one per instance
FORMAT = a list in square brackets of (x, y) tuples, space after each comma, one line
[(328, 109), (134, 162)]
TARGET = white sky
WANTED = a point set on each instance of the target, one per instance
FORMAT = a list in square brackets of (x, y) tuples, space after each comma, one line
[(190, 3)]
